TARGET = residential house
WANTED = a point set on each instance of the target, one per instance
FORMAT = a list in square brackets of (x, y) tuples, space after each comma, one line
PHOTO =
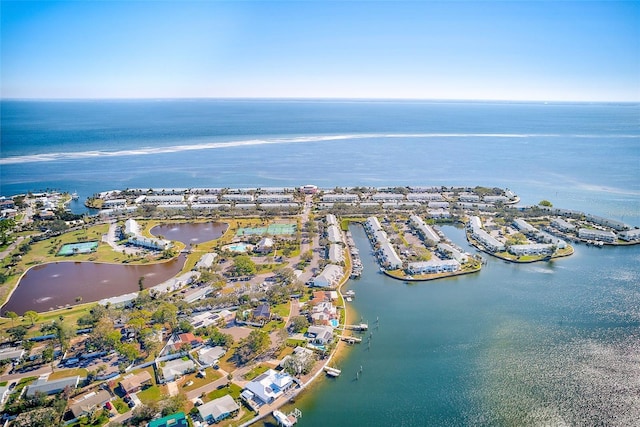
[(433, 266), (262, 312), (134, 383), (53, 386), (630, 235), (329, 277), (88, 403), (600, 235), (323, 312), (176, 368), (218, 409), (320, 335), (209, 356), (186, 338), (206, 261), (268, 387)]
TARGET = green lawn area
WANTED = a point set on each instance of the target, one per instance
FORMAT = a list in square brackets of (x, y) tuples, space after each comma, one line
[(233, 390), (273, 325), (295, 343), (150, 394), (212, 375), (120, 406), (63, 373), (281, 310), (260, 369)]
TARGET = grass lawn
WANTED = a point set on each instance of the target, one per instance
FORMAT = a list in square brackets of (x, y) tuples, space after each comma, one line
[(63, 373), (273, 326), (150, 394), (233, 390), (296, 343), (260, 369), (120, 406), (212, 375), (281, 310), (227, 363)]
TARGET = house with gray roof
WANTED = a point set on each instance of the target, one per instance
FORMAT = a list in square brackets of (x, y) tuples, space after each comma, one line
[(176, 368), (218, 409), (52, 387)]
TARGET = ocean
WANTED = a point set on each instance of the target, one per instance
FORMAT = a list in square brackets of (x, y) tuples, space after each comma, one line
[(543, 344)]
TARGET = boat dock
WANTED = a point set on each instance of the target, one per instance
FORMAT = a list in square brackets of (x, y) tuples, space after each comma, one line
[(287, 420), (356, 267), (332, 372), (359, 327), (350, 340)]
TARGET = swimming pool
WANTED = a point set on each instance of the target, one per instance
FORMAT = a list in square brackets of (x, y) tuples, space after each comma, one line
[(334, 323), (238, 247)]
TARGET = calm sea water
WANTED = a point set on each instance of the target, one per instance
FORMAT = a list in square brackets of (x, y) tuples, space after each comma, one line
[(543, 344)]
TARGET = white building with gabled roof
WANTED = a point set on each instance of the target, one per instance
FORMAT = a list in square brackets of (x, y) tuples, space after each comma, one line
[(269, 386), (424, 229), (334, 234), (330, 277), (336, 254)]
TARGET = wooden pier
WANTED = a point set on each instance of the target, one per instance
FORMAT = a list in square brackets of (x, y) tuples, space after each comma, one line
[(332, 372), (350, 339), (359, 327), (287, 420)]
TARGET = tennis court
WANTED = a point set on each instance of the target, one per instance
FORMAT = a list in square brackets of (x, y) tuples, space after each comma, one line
[(78, 248), (272, 229)]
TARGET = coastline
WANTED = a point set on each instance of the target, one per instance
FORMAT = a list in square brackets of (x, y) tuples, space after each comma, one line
[(338, 353)]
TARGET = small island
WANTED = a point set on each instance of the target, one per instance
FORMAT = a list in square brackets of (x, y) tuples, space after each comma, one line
[(193, 303)]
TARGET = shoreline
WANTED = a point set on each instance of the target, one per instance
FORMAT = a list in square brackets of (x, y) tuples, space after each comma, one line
[(337, 353)]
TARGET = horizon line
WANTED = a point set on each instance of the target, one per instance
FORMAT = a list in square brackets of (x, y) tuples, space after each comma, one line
[(285, 98)]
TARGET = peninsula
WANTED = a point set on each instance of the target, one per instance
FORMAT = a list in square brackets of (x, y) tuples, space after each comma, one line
[(229, 302)]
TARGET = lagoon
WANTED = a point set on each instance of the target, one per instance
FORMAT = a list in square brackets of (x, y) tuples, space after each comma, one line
[(58, 284), (190, 233)]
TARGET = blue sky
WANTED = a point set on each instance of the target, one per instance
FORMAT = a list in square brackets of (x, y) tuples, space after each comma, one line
[(524, 50)]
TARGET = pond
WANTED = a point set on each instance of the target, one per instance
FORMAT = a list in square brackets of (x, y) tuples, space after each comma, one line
[(190, 233), (58, 284)]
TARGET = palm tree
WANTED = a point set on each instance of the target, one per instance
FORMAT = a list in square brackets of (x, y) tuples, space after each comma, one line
[(31, 315), (11, 315)]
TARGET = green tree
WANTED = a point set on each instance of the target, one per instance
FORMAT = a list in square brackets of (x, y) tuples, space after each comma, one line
[(243, 265), (129, 351), (64, 333), (298, 323), (252, 346), (11, 315), (47, 354), (173, 404), (17, 332), (6, 225), (32, 316), (218, 338), (545, 203), (166, 313)]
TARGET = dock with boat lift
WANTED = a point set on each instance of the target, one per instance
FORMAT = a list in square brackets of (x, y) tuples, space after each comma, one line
[(358, 327), (350, 340), (287, 420), (332, 372)]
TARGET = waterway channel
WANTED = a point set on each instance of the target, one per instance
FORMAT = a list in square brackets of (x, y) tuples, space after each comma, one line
[(552, 343)]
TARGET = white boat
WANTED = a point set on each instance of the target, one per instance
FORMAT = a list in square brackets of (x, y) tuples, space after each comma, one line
[(74, 196)]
